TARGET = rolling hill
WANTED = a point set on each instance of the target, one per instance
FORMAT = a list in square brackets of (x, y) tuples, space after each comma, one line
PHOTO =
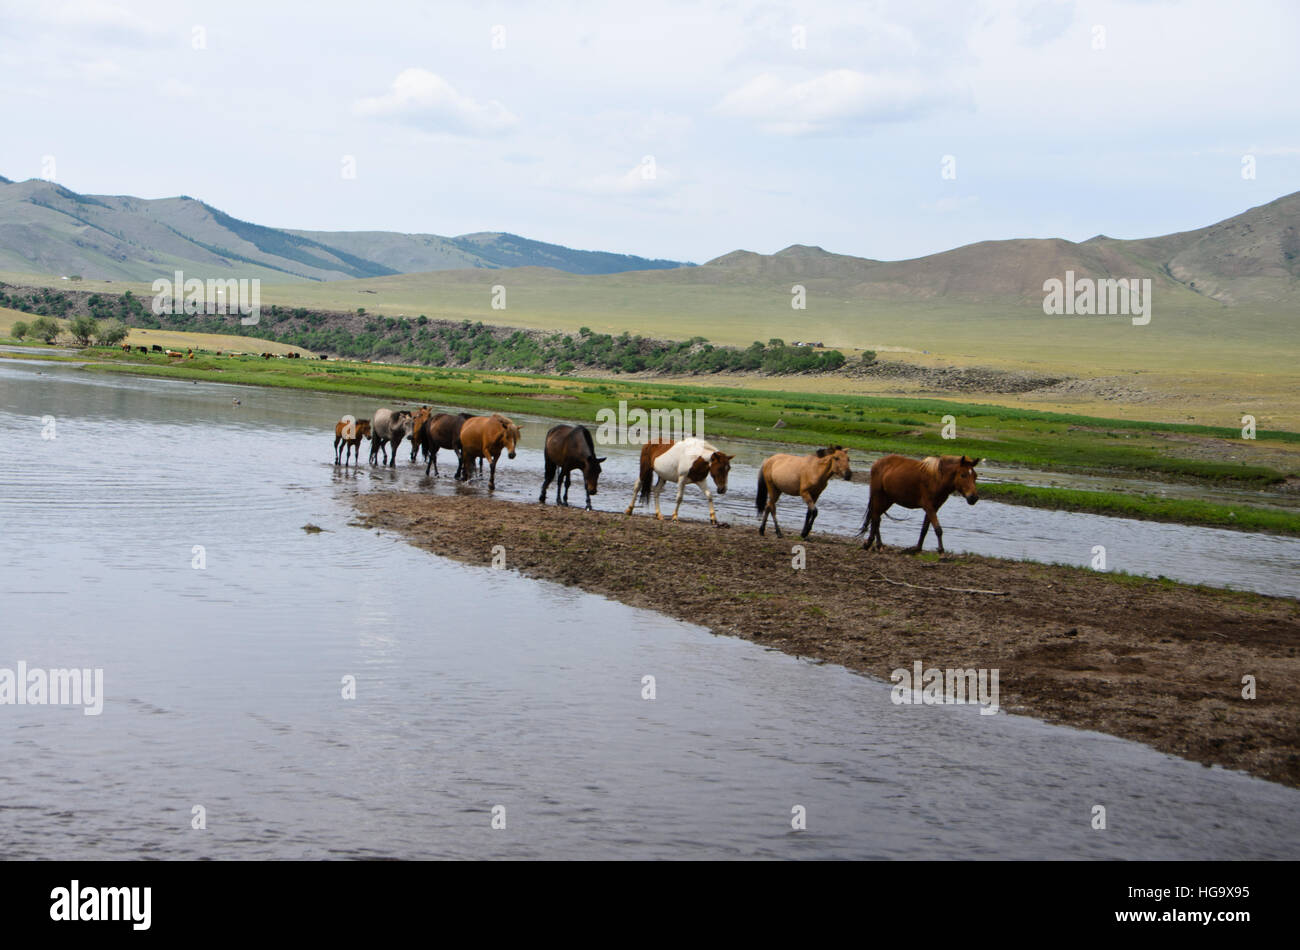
[(46, 228)]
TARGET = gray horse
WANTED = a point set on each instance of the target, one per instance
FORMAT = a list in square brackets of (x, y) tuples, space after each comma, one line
[(387, 428)]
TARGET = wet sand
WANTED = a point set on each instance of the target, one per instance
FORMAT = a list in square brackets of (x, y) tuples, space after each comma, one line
[(1148, 660)]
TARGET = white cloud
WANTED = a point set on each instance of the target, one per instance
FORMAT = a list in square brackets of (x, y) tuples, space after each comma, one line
[(425, 99), (646, 177), (841, 96)]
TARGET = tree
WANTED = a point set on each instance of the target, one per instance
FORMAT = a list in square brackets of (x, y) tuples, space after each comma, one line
[(82, 329), (110, 332), (43, 328), (20, 330)]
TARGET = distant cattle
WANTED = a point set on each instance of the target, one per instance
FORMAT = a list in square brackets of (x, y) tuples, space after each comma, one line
[(266, 356), (142, 349), (322, 357), (155, 348), (126, 347), (177, 354)]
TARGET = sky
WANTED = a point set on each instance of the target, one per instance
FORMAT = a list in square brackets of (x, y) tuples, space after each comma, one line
[(675, 130)]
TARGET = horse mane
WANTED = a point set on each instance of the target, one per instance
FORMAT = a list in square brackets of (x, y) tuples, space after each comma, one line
[(932, 464), (586, 434)]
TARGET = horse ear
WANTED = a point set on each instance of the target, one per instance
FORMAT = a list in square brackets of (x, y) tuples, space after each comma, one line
[(599, 460)]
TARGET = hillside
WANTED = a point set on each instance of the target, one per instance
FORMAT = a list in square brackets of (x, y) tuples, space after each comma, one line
[(48, 229)]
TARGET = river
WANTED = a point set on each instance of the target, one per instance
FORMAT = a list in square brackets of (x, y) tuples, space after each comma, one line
[(478, 688)]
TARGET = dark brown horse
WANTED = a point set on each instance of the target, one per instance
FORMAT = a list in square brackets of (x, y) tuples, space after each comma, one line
[(440, 431), (569, 448), (418, 419), (486, 437), (348, 433), (924, 484)]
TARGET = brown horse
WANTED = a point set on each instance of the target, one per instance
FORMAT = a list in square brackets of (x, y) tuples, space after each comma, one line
[(925, 484), (418, 419), (486, 437), (802, 475), (440, 431), (567, 448), (348, 434)]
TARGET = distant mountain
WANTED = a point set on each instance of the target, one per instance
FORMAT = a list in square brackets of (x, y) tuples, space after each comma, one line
[(48, 229), (1253, 257)]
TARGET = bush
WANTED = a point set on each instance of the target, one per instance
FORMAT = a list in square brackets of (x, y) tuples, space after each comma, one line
[(82, 329), (44, 328), (110, 332), (20, 329)]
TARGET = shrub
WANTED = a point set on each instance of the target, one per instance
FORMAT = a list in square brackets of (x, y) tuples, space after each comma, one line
[(20, 330), (110, 332), (82, 329), (44, 328)]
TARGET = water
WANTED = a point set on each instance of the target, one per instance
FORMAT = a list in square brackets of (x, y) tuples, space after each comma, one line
[(475, 688)]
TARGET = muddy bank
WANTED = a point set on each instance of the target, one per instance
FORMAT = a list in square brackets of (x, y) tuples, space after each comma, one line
[(1147, 660)]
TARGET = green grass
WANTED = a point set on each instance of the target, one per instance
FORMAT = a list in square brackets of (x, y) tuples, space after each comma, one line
[(1147, 507)]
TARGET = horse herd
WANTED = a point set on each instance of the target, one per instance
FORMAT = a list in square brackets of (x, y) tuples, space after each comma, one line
[(895, 479)]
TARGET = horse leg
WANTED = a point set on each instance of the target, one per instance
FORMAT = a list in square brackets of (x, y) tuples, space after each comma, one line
[(811, 501), (550, 473), (659, 487), (397, 440), (713, 515), (432, 462), (938, 532), (681, 490), (925, 528), (568, 483), (492, 472), (636, 490)]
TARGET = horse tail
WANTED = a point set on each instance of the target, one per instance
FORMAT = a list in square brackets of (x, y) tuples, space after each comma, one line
[(760, 500), (647, 475), (866, 518)]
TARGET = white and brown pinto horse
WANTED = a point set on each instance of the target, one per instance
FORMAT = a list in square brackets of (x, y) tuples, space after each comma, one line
[(925, 484), (802, 475), (486, 437), (688, 461)]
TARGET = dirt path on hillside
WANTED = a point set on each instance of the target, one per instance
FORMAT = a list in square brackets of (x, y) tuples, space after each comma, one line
[(1152, 661)]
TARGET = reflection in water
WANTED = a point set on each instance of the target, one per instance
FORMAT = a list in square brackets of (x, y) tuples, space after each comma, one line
[(474, 687)]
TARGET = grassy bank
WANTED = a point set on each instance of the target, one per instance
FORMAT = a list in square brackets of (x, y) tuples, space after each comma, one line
[(1146, 507), (1009, 436)]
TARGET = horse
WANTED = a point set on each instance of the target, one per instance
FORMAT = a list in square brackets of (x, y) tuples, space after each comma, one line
[(418, 419), (348, 434), (925, 484), (485, 437), (387, 427), (690, 460), (567, 448), (802, 475), (440, 431)]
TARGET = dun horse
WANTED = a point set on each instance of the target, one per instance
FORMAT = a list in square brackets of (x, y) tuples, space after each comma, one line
[(440, 431), (896, 480), (690, 460), (569, 448), (486, 436), (348, 434), (802, 475), (387, 428)]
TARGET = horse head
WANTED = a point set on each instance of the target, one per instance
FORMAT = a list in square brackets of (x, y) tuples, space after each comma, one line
[(719, 467), (839, 456), (963, 481), (591, 472), (512, 436)]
